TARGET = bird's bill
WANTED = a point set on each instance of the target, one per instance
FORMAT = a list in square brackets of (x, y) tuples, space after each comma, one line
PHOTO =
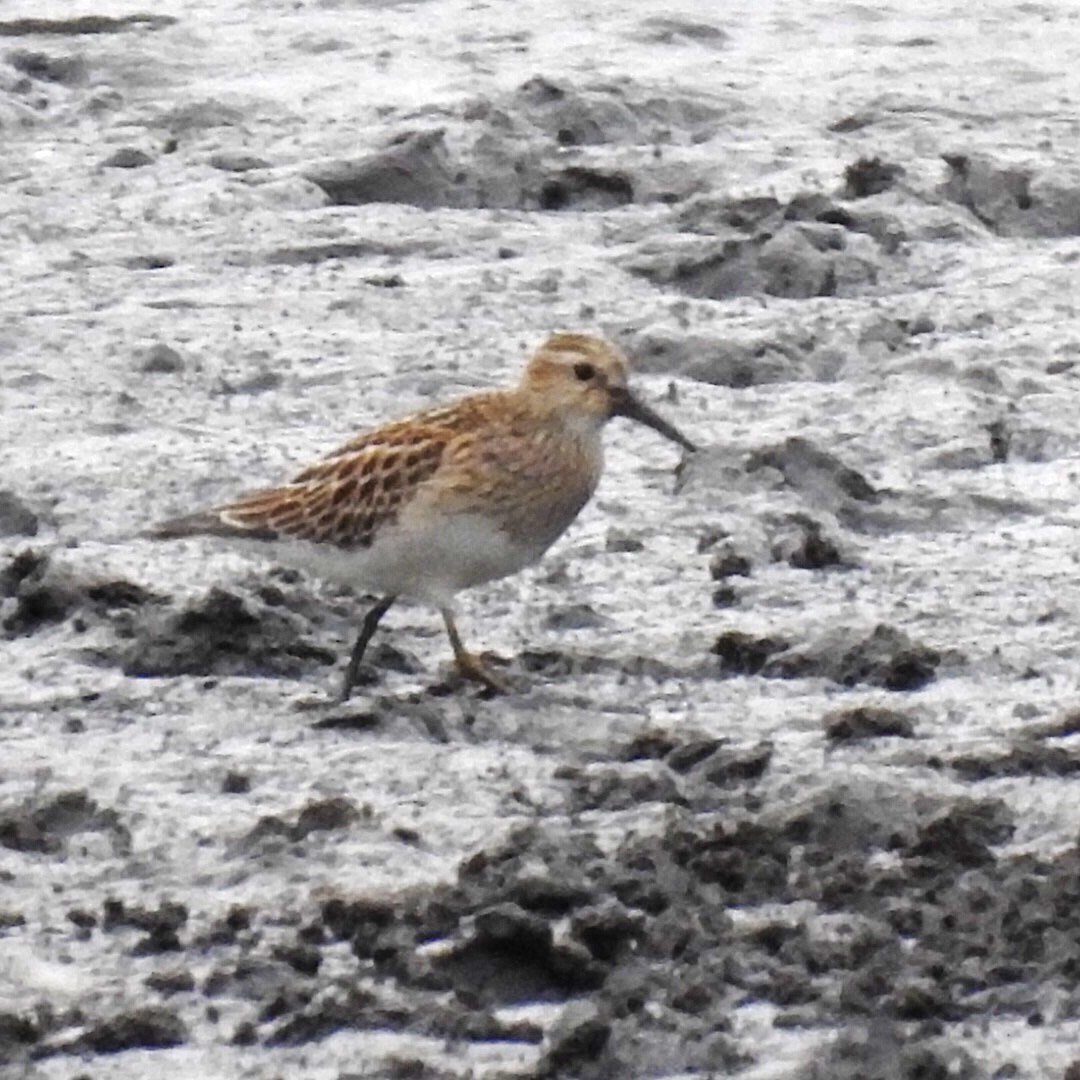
[(625, 403)]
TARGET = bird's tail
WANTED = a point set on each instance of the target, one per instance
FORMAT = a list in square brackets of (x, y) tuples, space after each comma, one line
[(204, 523)]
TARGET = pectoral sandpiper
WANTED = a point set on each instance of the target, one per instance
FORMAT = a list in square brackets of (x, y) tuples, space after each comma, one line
[(449, 498)]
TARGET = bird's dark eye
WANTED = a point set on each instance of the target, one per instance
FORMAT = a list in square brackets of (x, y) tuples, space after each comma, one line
[(584, 371)]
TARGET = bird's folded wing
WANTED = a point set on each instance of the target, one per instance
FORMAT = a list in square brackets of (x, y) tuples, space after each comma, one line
[(343, 500)]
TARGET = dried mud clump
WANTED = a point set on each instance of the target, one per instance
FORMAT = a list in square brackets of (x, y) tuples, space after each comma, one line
[(222, 633), (638, 941), (807, 467), (797, 539), (127, 157), (870, 176), (68, 69), (414, 168), (18, 1034), (581, 188), (161, 925), (499, 921), (805, 543), (727, 561), (885, 657), (533, 149), (650, 955), (1022, 757), (808, 247), (866, 722), (320, 815), (16, 516), (619, 112), (45, 826), (41, 592), (745, 654), (674, 30), (878, 1049), (703, 773), (1015, 200), (149, 1028), (84, 24)]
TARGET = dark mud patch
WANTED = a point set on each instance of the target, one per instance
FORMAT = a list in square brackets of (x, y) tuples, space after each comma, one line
[(85, 24), (805, 543), (885, 657), (621, 112), (646, 941), (800, 540), (414, 168), (274, 629), (884, 1050), (582, 188), (811, 246), (533, 148), (1020, 758), (564, 663), (870, 176), (17, 517), (45, 825), (1015, 200), (866, 722), (673, 30), (150, 1028), (224, 633), (320, 815), (657, 767), (41, 592), (862, 906), (810, 468), (745, 654)]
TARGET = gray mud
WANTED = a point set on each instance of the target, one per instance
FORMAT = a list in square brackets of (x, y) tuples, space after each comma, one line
[(786, 790)]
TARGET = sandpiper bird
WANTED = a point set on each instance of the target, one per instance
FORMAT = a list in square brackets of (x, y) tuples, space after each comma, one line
[(450, 497)]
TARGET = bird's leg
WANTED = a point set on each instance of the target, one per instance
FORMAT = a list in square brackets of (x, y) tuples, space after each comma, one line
[(371, 620), (469, 664)]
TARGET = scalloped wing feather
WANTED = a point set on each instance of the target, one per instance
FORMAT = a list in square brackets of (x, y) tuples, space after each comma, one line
[(363, 486), (344, 500)]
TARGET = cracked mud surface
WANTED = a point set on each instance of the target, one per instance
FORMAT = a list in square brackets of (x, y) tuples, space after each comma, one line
[(786, 789)]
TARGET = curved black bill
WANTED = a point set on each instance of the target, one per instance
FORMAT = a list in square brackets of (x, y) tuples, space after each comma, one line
[(625, 403)]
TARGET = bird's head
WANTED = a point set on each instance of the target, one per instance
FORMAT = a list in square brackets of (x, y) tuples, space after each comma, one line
[(584, 380)]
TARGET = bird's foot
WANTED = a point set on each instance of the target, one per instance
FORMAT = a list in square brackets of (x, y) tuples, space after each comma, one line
[(361, 675), (472, 667)]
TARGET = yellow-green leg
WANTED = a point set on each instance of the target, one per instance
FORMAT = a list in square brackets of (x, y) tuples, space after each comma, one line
[(469, 664)]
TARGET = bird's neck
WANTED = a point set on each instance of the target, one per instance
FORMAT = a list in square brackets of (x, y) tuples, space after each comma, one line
[(579, 424), (583, 426)]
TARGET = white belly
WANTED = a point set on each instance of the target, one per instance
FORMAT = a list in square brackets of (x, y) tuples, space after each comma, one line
[(429, 564)]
